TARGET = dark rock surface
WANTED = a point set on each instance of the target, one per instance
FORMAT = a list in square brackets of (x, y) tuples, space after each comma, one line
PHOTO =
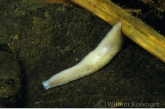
[(10, 76), (48, 38)]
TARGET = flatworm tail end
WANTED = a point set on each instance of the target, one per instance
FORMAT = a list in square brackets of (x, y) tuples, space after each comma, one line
[(119, 23), (45, 84)]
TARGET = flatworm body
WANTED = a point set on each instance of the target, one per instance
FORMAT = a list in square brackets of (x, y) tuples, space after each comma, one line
[(95, 60)]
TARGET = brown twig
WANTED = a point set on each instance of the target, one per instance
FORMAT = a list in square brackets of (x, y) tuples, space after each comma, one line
[(132, 27)]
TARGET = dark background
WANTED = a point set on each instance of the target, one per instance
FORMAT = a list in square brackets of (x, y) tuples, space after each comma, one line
[(38, 40)]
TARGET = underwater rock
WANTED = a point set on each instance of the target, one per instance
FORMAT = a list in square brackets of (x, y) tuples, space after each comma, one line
[(10, 78)]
